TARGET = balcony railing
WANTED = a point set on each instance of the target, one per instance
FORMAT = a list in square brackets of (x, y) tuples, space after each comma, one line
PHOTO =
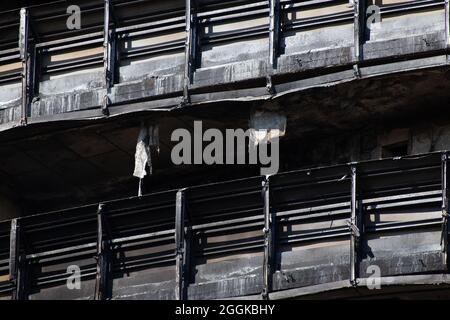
[(185, 53), (272, 237)]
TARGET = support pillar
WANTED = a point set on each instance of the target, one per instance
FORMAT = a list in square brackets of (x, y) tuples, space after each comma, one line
[(182, 247), (190, 48), (17, 273), (447, 22), (269, 232), (274, 32), (103, 257), (26, 64), (109, 53), (444, 208), (354, 225)]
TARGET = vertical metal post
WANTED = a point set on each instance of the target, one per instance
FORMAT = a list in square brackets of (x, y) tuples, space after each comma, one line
[(190, 49), (34, 80), (14, 257), (103, 266), (444, 206), (108, 55), (16, 260), (181, 246), (187, 257), (354, 225), (357, 29), (447, 22), (268, 240), (274, 31), (25, 59)]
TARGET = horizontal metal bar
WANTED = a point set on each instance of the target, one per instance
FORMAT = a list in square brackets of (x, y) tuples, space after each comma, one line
[(30, 230), (403, 203), (228, 250), (59, 251), (399, 171), (125, 212), (64, 257), (39, 227), (9, 51), (174, 27), (142, 207), (234, 16), (10, 78), (224, 195), (127, 267), (410, 6), (142, 227), (396, 190), (404, 225), (94, 36), (151, 242), (226, 223), (318, 21), (292, 185), (342, 234), (327, 207), (143, 236), (220, 12), (154, 49), (76, 45), (227, 246), (226, 213), (401, 196), (86, 273), (234, 228), (71, 67), (235, 34), (308, 203), (62, 276), (329, 231), (292, 5), (73, 64), (48, 245), (150, 25), (332, 214), (15, 57)]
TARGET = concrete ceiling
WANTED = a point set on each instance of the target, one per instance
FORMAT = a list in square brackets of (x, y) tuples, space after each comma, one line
[(67, 164)]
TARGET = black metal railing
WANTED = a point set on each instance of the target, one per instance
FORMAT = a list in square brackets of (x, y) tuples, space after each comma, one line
[(196, 24), (174, 236)]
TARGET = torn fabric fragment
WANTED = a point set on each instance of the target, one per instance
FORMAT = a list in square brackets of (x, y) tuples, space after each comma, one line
[(148, 137)]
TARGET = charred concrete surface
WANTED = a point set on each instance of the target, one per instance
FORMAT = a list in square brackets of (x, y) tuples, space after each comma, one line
[(396, 205), (53, 166), (318, 44)]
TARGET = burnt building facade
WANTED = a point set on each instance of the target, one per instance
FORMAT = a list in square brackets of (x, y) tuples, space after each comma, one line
[(362, 184)]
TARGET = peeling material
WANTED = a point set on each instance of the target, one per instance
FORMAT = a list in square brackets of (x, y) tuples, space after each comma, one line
[(148, 137)]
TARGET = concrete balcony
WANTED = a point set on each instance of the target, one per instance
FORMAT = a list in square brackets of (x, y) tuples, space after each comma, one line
[(233, 51), (296, 234)]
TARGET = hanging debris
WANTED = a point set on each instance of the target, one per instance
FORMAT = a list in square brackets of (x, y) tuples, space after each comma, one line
[(148, 137), (266, 126)]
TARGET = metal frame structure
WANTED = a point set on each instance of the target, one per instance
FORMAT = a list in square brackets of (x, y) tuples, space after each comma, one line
[(193, 18), (132, 235), (175, 234)]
